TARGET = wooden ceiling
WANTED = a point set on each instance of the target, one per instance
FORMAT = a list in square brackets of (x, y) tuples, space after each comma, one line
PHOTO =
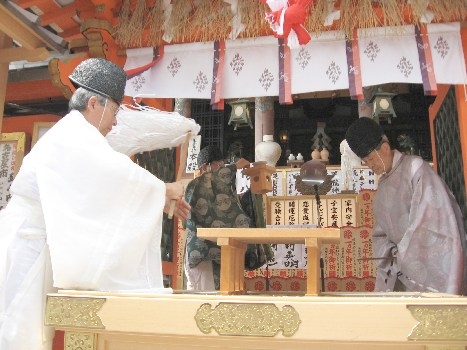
[(39, 28), (32, 32)]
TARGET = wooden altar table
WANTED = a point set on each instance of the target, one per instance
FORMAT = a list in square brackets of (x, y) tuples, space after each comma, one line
[(392, 321), (233, 242)]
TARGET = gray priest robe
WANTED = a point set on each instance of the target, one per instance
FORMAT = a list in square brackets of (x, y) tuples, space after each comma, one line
[(418, 234), (81, 216)]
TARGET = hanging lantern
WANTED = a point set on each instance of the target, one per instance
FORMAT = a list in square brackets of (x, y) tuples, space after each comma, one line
[(382, 106), (240, 116)]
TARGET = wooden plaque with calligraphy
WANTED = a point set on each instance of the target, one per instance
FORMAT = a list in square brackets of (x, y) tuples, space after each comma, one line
[(335, 210), (11, 156)]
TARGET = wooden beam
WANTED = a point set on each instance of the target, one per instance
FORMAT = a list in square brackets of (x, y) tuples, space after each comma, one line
[(25, 4), (20, 53), (14, 24), (78, 43), (66, 12), (17, 30), (5, 42), (33, 90)]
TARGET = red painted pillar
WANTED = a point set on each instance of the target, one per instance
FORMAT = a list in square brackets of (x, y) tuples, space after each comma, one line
[(59, 343)]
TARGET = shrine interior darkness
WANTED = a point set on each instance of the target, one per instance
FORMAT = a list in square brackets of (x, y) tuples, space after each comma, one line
[(300, 119)]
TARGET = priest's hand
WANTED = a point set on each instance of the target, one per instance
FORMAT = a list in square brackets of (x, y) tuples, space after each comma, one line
[(175, 192), (182, 209)]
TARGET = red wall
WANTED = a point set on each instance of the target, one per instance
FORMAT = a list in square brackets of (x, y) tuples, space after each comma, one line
[(26, 124)]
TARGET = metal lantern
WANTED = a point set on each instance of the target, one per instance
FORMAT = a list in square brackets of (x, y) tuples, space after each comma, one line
[(382, 106), (240, 115)]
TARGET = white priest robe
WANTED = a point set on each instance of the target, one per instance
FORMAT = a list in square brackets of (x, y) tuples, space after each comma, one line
[(81, 216), (420, 224)]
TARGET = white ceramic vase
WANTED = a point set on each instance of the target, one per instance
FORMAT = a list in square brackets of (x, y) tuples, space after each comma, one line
[(315, 154), (268, 151), (324, 154)]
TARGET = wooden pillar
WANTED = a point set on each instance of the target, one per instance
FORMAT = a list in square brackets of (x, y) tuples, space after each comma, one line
[(264, 117), (5, 42), (461, 97), (313, 247), (183, 107)]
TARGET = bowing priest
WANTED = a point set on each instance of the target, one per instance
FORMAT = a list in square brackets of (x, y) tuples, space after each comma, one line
[(419, 239)]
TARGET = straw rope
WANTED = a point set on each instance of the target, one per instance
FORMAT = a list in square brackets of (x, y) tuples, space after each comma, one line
[(156, 20), (179, 18), (447, 11), (317, 13), (129, 33), (142, 21), (121, 31), (253, 13)]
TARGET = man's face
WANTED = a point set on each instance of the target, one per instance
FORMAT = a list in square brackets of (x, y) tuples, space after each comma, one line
[(102, 116), (109, 117), (379, 160)]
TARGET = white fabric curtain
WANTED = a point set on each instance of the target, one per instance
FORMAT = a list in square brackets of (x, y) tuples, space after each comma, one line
[(320, 65), (251, 66), (389, 55), (447, 53)]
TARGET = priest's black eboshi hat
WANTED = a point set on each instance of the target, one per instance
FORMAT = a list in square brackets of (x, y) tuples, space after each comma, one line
[(100, 76), (363, 136), (208, 155)]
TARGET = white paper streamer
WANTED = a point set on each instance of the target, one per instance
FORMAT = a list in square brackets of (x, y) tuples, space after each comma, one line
[(142, 128)]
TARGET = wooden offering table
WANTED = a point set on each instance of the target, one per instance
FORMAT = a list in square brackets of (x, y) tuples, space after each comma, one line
[(233, 242), (398, 321)]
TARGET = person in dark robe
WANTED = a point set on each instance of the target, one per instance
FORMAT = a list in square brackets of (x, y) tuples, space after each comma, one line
[(215, 203)]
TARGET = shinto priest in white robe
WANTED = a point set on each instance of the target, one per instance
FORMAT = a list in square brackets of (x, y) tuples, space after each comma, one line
[(419, 223), (81, 216)]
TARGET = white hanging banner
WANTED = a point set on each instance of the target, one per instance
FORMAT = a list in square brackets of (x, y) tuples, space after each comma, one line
[(320, 65), (389, 55), (251, 66), (447, 54), (184, 71)]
